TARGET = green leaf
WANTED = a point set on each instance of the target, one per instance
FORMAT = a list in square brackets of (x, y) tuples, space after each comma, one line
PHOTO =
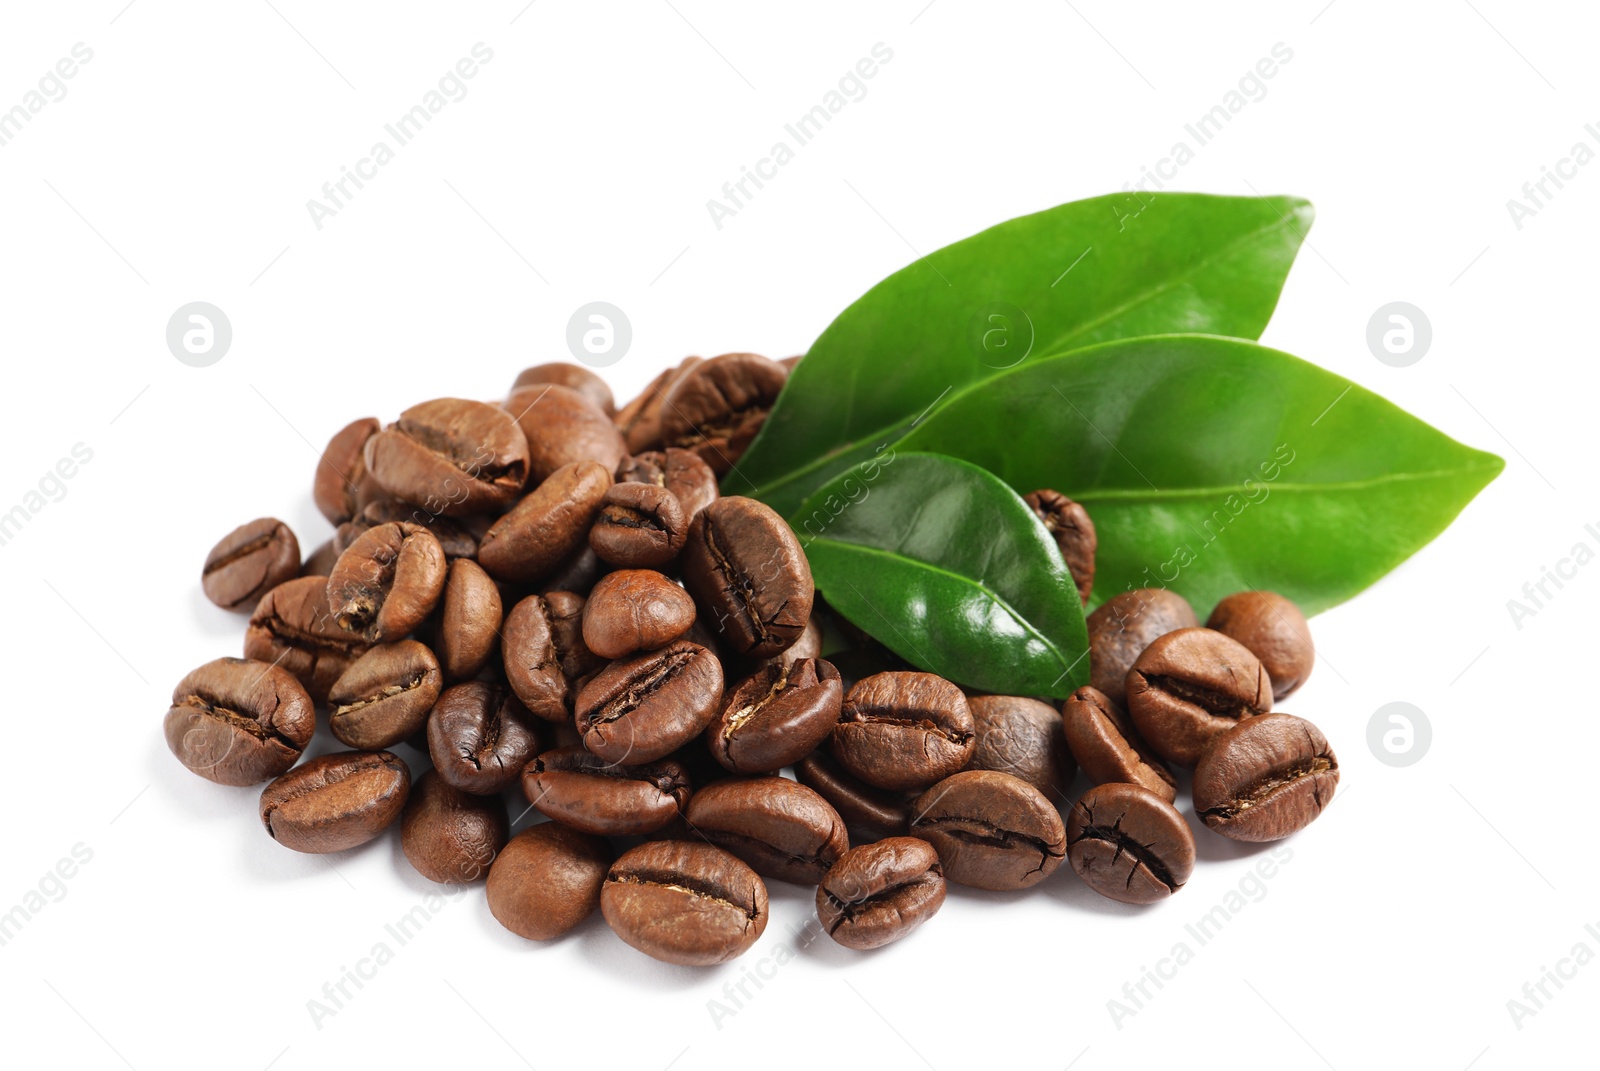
[(950, 569), (1110, 267), (1214, 465)]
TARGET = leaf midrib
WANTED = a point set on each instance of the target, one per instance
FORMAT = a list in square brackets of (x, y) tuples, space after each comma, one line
[(792, 474), (1134, 494), (989, 592)]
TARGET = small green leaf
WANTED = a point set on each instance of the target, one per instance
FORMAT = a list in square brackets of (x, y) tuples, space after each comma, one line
[(1110, 267), (949, 568)]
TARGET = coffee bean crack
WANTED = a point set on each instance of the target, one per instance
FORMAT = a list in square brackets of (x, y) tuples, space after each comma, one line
[(685, 884), (1273, 783), (1140, 854)]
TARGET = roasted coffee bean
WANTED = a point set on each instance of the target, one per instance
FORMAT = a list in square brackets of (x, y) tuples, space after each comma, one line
[(451, 456), (469, 621), (578, 573), (563, 427), (1108, 748), (342, 485), (991, 830), (869, 813), (640, 420), (480, 737), (780, 827), (572, 376), (294, 627), (454, 536), (585, 792), (878, 893), (388, 582), (776, 716), (250, 561), (1124, 626), (640, 526), (545, 654), (547, 527), (1022, 737), (690, 479), (809, 645), (904, 730), (1129, 844), (684, 902), (547, 880), (1265, 778), (335, 802), (320, 562), (717, 408), (238, 722), (1191, 686), (450, 836), (1069, 524), (1274, 630), (648, 706), (791, 363), (747, 573), (385, 696), (635, 610)]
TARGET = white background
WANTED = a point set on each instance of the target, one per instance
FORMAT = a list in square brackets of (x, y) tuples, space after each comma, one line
[(178, 167)]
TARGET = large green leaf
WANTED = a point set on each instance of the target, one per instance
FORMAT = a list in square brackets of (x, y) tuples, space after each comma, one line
[(1110, 267), (950, 569), (1213, 465)]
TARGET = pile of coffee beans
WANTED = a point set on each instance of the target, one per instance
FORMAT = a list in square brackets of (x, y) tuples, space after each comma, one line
[(550, 600)]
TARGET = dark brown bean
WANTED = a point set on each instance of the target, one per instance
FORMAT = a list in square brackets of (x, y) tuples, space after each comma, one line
[(585, 792), (294, 627), (640, 526), (451, 456), (547, 880), (238, 722), (991, 830), (684, 902), (1265, 778), (648, 706), (335, 802), (1124, 626), (545, 654), (1069, 525), (640, 420), (385, 696), (563, 427), (454, 536), (342, 485), (572, 376), (450, 836), (776, 716), (904, 731), (1109, 749), (690, 479), (869, 813), (748, 575), (547, 527), (469, 622), (1191, 686), (1022, 737), (250, 561), (635, 610), (878, 893), (388, 582), (1129, 844), (780, 827), (718, 406), (1274, 630), (480, 736)]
